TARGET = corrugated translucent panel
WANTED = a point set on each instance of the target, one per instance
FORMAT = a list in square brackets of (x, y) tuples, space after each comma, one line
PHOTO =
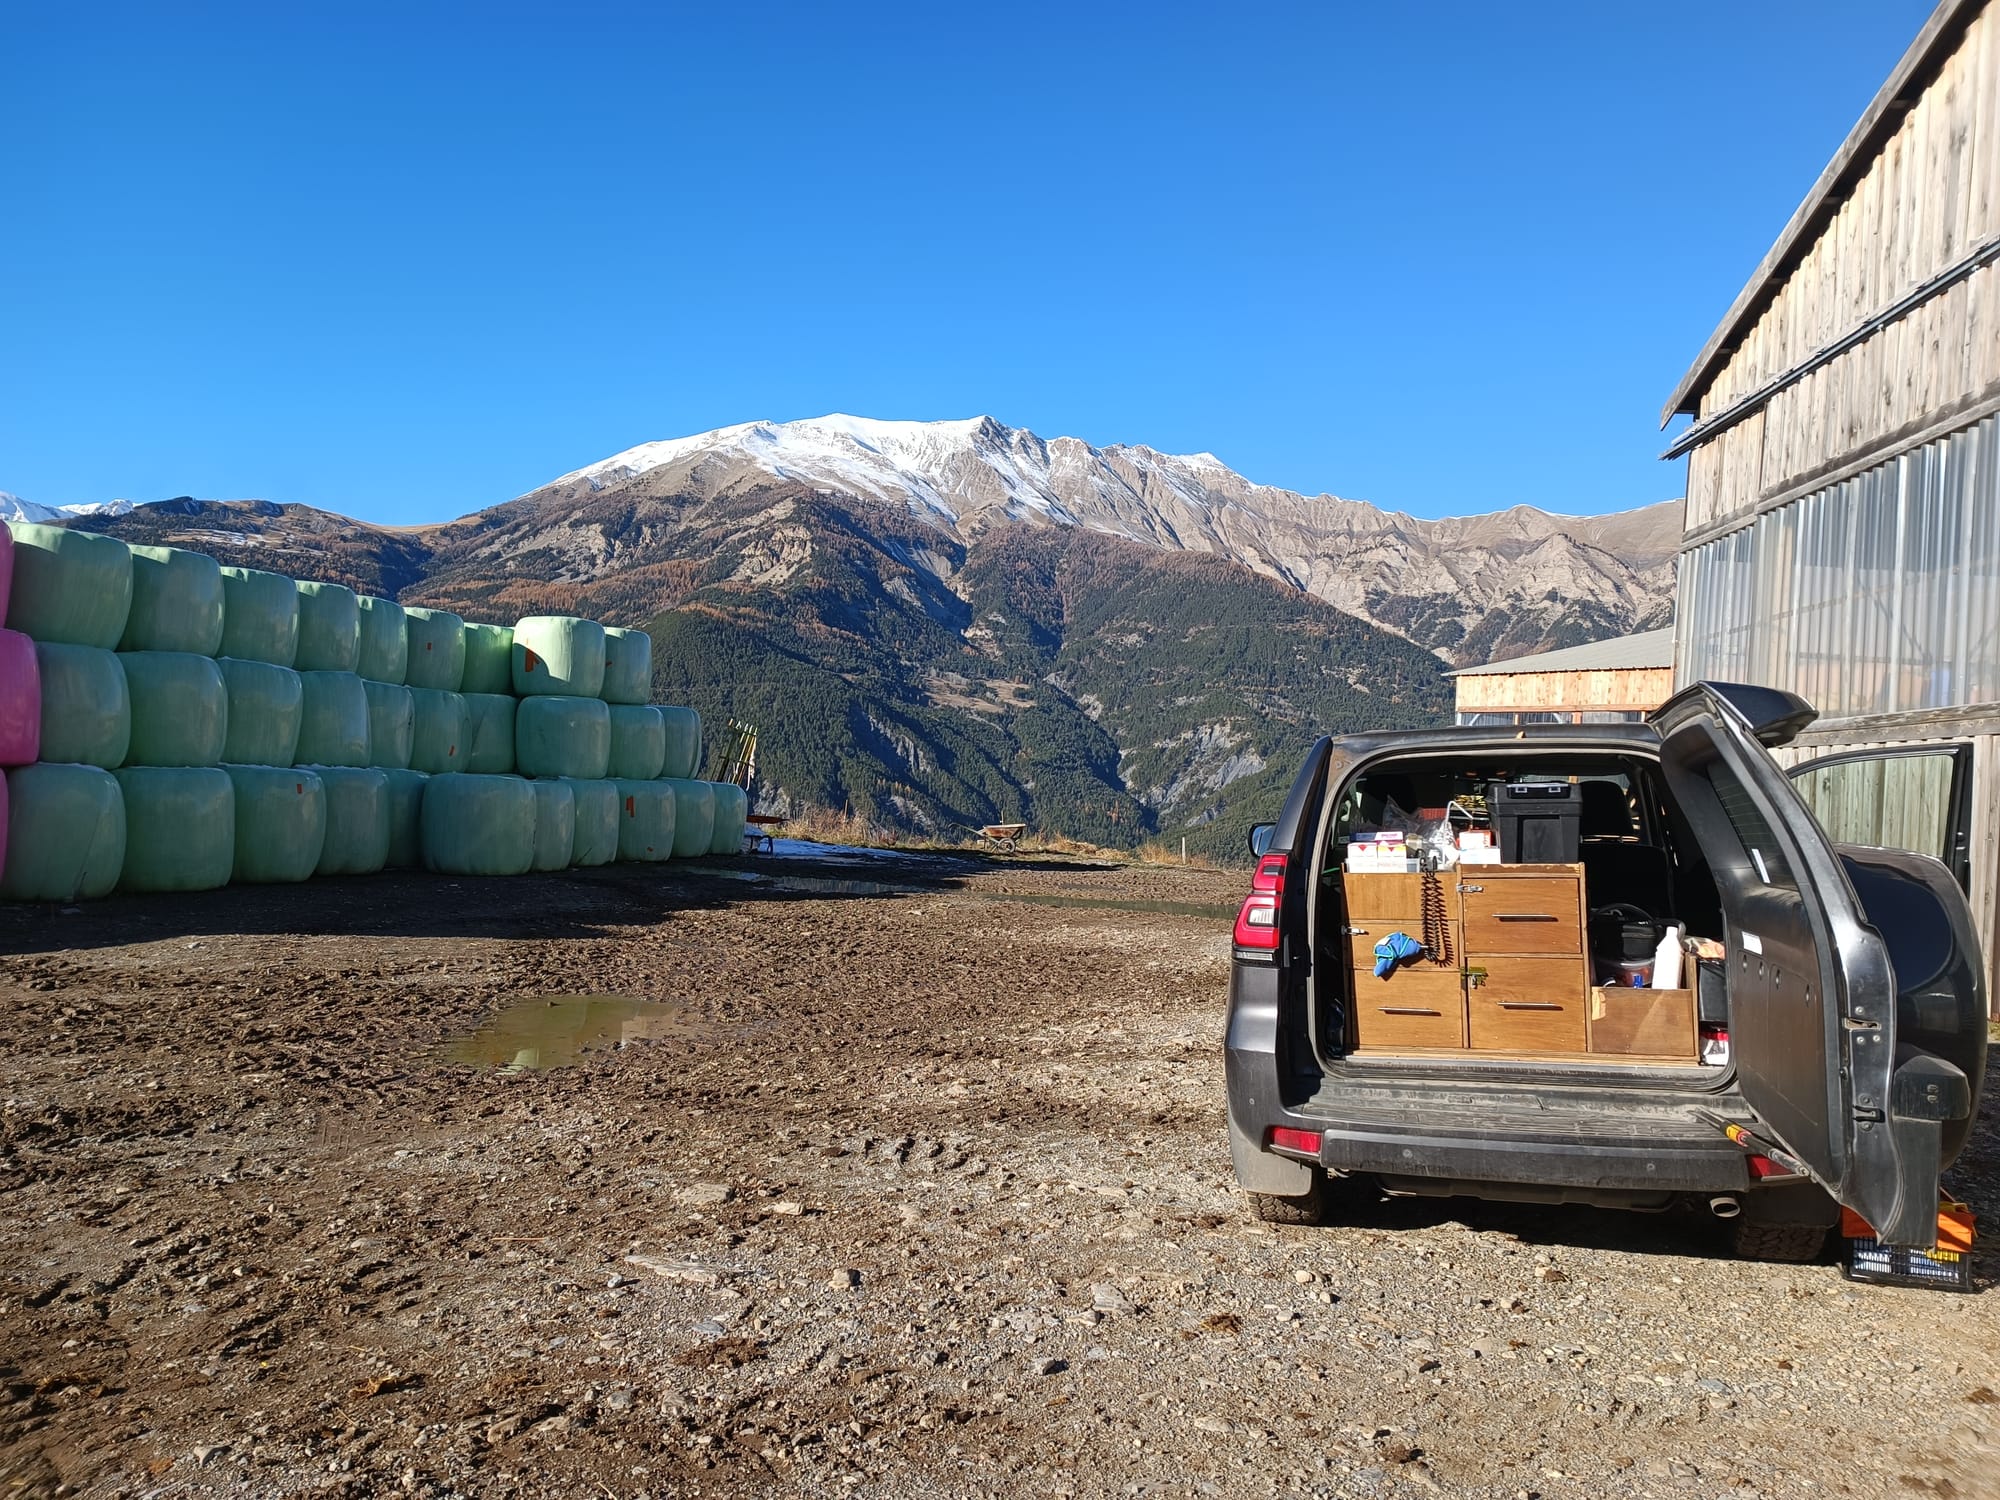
[(555, 824), (384, 653), (180, 828), (266, 704), (176, 602), (558, 654), (329, 628), (406, 807), (489, 659), (69, 586), (694, 818), (597, 818), (732, 808), (86, 707), (65, 833), (280, 823), (260, 617)]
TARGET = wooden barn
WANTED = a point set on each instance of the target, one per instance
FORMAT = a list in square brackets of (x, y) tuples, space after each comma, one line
[(1843, 490), (1605, 682)]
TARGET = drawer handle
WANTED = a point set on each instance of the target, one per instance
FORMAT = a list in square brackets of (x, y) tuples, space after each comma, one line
[(1412, 1010), (1525, 916), (1530, 1005)]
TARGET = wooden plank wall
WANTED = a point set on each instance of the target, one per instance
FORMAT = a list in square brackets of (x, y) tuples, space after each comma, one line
[(1929, 199), (1626, 688)]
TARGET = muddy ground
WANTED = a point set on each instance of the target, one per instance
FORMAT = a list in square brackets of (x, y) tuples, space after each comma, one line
[(912, 1192)]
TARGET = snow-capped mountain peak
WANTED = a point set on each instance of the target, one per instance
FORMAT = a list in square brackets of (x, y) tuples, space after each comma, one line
[(14, 508)]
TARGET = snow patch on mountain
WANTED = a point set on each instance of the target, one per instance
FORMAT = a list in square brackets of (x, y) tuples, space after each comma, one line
[(14, 508)]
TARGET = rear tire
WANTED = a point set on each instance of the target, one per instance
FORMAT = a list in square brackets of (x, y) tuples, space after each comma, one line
[(1320, 1206), (1789, 1244)]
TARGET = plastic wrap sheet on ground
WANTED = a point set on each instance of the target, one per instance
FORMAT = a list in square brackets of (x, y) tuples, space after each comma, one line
[(69, 586), (479, 825), (20, 700), (732, 811), (180, 828), (329, 627), (694, 818), (65, 833), (280, 823), (176, 602), (333, 720), (489, 659), (392, 725), (266, 704), (437, 745), (555, 824), (260, 617), (357, 820), (180, 709), (406, 807), (683, 726), (86, 707), (383, 654), (558, 654), (437, 649), (638, 742), (489, 733), (628, 666), (645, 820), (562, 737), (597, 818)]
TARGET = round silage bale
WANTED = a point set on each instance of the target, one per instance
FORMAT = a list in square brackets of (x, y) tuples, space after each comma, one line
[(180, 709), (628, 666), (683, 756), (20, 700), (176, 602), (645, 820), (280, 823), (555, 824), (65, 833), (357, 820), (392, 725), (329, 627), (732, 809), (437, 745), (562, 737), (489, 733), (479, 825), (333, 720), (489, 659), (266, 704), (180, 828), (638, 742), (406, 809), (86, 706), (597, 815), (69, 586), (383, 651), (558, 654), (694, 817), (437, 649), (260, 617)]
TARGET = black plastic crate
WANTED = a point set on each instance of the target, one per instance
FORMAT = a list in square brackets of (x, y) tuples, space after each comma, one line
[(1883, 1265)]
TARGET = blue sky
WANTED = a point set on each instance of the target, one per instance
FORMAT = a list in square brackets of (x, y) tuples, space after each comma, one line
[(404, 261)]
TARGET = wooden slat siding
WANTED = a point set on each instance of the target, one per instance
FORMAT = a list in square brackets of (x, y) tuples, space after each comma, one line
[(1632, 688)]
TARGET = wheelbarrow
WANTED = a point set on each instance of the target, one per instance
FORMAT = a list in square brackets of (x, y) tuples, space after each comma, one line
[(1002, 836)]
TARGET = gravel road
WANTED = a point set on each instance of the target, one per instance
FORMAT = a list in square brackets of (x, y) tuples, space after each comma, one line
[(911, 1181)]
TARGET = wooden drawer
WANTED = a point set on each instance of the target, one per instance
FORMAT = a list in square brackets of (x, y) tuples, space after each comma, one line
[(1388, 894), (1517, 914), (1364, 933), (1644, 1023), (1412, 1008), (1531, 979), (1528, 1005)]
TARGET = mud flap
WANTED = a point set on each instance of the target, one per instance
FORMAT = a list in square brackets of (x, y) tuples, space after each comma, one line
[(1261, 1172)]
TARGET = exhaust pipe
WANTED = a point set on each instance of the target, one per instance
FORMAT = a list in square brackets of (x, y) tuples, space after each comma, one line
[(1725, 1206)]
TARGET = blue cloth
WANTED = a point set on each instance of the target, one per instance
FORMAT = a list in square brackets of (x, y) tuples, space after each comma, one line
[(1397, 948)]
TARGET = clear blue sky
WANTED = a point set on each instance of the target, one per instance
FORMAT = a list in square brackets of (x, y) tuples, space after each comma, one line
[(405, 261)]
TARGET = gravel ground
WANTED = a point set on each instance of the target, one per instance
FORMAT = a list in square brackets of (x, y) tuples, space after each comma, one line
[(916, 1185)]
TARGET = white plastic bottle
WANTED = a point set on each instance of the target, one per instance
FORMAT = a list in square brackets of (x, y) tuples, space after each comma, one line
[(1667, 960)]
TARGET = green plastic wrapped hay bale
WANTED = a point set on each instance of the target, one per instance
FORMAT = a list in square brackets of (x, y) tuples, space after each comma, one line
[(437, 744), (392, 725), (176, 602), (266, 705), (694, 818), (333, 720), (559, 655), (555, 824), (86, 707), (489, 659), (357, 820), (71, 587), (489, 733), (638, 742), (479, 825), (645, 820), (597, 816), (406, 810), (260, 617), (437, 649), (628, 666), (562, 737), (280, 823), (65, 833), (383, 651), (683, 757), (180, 828), (329, 627), (180, 709), (732, 812)]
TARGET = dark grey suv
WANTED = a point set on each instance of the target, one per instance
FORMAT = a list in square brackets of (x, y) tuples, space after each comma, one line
[(1443, 983)]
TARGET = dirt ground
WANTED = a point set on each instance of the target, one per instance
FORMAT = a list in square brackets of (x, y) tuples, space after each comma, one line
[(907, 1191)]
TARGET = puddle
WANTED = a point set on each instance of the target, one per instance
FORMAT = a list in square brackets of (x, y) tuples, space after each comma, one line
[(831, 887), (553, 1031)]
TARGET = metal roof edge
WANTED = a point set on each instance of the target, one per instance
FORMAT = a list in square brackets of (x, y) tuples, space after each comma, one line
[(1578, 658)]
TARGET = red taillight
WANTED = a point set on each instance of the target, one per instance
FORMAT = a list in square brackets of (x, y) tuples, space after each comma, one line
[(1257, 922), (1762, 1167), (1305, 1142)]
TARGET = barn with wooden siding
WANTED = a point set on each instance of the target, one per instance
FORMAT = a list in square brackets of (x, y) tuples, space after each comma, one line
[(1843, 494), (1606, 682)]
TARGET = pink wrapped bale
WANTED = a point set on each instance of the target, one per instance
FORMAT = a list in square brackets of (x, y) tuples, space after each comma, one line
[(20, 701)]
